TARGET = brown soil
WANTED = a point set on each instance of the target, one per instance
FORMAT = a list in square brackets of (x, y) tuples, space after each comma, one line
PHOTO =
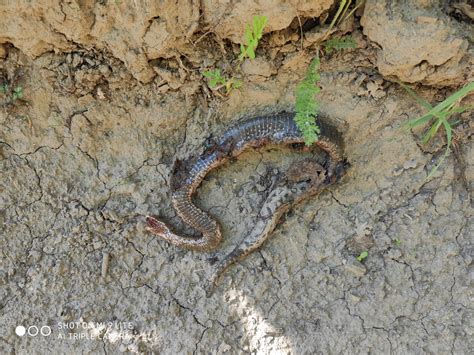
[(112, 93)]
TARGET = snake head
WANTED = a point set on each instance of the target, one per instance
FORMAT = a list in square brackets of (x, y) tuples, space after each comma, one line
[(156, 227)]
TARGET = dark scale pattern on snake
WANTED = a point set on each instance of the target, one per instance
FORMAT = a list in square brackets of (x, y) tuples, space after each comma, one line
[(251, 133)]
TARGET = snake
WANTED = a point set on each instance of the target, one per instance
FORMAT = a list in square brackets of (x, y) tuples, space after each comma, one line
[(254, 132)]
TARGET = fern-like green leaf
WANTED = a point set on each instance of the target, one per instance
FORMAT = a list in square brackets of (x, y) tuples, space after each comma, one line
[(338, 44), (252, 36), (306, 105), (215, 77)]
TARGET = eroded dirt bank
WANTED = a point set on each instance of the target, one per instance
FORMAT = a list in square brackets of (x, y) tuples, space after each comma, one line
[(112, 94)]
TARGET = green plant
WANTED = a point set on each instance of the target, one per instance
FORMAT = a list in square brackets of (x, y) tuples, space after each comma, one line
[(17, 93), (215, 77), (216, 80), (397, 242), (306, 106), (439, 115), (339, 43), (252, 36), (11, 94), (362, 256)]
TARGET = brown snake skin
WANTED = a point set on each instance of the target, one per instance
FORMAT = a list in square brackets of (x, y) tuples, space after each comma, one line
[(251, 133)]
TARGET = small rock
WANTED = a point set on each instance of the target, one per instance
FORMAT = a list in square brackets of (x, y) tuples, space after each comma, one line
[(76, 60), (426, 19), (100, 94), (224, 347), (90, 61), (163, 89), (275, 332), (353, 298), (355, 267), (410, 164), (375, 90), (104, 70), (397, 171)]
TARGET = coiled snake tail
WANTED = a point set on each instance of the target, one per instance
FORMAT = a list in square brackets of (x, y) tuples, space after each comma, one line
[(193, 216)]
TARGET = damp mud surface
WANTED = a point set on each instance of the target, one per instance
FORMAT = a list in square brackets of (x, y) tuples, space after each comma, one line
[(99, 99)]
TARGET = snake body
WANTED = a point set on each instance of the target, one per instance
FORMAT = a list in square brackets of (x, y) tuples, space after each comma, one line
[(250, 133)]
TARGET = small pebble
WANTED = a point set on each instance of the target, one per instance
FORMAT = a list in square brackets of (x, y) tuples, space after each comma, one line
[(76, 60), (104, 70), (397, 171), (105, 264), (355, 267), (89, 61), (410, 164)]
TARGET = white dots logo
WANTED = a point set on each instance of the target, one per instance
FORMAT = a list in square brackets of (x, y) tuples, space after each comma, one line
[(33, 330), (45, 330), (20, 330)]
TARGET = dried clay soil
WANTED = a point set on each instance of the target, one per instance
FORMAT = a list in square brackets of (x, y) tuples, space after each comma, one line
[(112, 94)]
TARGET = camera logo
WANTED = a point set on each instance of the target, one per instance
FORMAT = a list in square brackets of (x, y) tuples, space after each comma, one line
[(33, 330)]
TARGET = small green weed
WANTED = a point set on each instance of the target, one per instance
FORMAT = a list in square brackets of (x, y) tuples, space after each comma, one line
[(252, 36), (340, 43), (397, 242), (216, 80), (363, 256), (306, 105), (11, 94), (439, 116), (215, 77), (17, 93)]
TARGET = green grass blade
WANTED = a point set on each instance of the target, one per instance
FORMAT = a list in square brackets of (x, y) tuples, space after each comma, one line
[(343, 13), (453, 98), (419, 121), (462, 109), (358, 4), (333, 22), (432, 131), (435, 169), (417, 98), (449, 132)]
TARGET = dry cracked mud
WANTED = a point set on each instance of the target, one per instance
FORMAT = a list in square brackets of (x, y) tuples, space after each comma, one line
[(112, 94)]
